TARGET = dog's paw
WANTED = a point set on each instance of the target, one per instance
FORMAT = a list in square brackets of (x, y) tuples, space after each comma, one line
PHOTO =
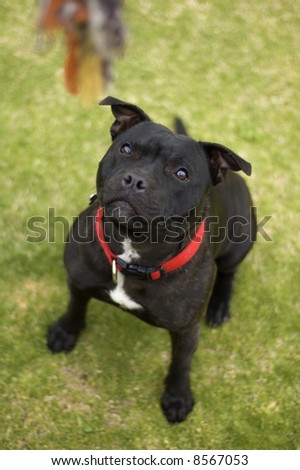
[(59, 340), (177, 407), (217, 313)]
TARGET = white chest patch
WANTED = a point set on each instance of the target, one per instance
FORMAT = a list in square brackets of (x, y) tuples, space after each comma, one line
[(118, 294)]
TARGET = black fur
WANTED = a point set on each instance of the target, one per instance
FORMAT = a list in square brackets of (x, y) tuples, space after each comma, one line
[(151, 177)]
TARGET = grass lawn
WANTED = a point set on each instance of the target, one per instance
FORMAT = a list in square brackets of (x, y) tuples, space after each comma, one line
[(231, 71)]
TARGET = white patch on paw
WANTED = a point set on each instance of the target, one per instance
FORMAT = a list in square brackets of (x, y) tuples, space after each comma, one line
[(118, 294)]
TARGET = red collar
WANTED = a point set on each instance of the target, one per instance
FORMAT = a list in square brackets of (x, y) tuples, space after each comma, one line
[(148, 272)]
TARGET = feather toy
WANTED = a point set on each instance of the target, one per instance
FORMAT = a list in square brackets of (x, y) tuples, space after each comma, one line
[(94, 33)]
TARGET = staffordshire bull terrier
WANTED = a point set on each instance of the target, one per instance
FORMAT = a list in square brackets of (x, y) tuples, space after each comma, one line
[(162, 239)]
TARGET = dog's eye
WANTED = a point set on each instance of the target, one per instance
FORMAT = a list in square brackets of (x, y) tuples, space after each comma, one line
[(126, 149), (182, 174)]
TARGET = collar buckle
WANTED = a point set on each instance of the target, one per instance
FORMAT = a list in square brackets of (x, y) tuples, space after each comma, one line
[(138, 270), (114, 272)]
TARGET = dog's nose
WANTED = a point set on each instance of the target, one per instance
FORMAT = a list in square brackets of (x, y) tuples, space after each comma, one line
[(135, 182)]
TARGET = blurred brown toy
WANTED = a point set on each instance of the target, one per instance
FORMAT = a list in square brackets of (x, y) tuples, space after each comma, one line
[(94, 33)]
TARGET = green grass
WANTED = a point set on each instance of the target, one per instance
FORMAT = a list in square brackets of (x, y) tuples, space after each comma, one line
[(231, 70)]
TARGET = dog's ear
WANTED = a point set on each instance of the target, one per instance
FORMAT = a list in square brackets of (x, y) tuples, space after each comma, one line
[(179, 126), (127, 115), (221, 159)]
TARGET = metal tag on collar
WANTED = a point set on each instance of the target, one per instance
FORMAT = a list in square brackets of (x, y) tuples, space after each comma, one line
[(114, 272), (92, 198)]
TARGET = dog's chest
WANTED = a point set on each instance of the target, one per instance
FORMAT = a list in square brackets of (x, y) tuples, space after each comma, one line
[(118, 294)]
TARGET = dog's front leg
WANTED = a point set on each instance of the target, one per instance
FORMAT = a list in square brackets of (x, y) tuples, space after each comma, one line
[(177, 400), (63, 334)]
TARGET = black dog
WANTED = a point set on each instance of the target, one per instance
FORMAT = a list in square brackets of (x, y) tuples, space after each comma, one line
[(162, 239)]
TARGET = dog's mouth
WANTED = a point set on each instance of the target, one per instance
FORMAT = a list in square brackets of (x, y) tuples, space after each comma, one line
[(126, 217), (120, 211)]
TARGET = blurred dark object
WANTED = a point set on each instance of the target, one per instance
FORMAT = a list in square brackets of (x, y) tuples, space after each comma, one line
[(94, 33)]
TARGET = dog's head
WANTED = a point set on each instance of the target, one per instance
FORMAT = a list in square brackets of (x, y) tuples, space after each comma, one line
[(151, 172)]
